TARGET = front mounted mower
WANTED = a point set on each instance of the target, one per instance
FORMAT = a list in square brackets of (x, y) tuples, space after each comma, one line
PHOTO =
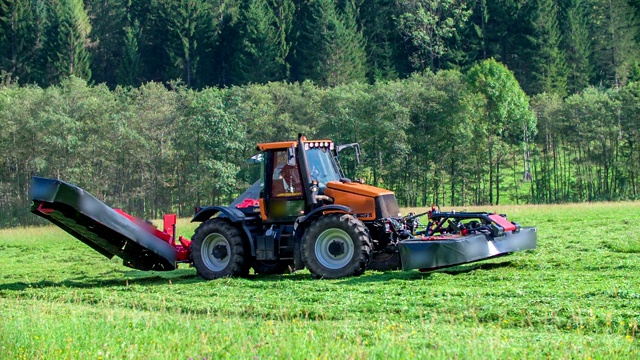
[(302, 213)]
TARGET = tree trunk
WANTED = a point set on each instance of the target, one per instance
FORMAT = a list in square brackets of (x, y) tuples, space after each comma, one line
[(490, 172)]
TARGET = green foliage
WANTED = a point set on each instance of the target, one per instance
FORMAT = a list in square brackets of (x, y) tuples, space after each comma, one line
[(109, 37), (549, 65), (507, 105), (579, 47), (572, 297), (558, 46), (67, 41), (210, 147), (19, 40), (386, 59), (332, 50), (284, 11), (130, 71), (507, 118), (614, 32), (444, 138), (186, 20), (264, 47), (427, 24)]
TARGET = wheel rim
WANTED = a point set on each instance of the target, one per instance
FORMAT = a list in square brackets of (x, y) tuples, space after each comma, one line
[(216, 252), (334, 248)]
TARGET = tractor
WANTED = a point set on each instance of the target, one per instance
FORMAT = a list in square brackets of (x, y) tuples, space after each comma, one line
[(302, 213)]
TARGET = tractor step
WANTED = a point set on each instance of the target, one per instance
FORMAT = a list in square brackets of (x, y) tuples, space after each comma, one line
[(102, 228), (443, 251)]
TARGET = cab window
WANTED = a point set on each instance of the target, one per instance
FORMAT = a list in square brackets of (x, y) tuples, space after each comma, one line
[(286, 176)]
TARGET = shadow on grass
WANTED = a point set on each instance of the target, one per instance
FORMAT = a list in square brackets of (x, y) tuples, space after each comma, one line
[(419, 275), (186, 276), (463, 269), (375, 276), (131, 277)]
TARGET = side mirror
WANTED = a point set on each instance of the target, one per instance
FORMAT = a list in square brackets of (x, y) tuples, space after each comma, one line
[(356, 146)]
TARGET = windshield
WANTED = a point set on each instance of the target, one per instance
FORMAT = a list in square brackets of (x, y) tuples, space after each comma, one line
[(322, 167)]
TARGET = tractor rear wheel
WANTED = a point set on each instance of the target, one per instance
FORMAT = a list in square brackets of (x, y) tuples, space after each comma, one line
[(336, 246), (219, 250)]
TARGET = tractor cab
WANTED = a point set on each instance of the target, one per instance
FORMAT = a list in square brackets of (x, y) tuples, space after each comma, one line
[(294, 177)]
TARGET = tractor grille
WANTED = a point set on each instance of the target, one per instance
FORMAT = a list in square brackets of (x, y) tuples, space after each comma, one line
[(387, 206)]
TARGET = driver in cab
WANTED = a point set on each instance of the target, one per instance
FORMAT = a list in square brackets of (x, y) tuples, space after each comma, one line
[(286, 177)]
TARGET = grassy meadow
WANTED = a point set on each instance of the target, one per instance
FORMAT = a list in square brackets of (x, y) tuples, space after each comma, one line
[(576, 296)]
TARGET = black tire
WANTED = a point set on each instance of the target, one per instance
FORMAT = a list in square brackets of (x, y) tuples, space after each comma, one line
[(385, 261), (336, 246), (272, 267), (219, 250)]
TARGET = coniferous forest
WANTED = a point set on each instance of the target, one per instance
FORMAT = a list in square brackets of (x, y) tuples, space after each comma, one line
[(154, 105)]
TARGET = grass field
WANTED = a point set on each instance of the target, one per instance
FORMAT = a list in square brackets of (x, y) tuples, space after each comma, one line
[(576, 296)]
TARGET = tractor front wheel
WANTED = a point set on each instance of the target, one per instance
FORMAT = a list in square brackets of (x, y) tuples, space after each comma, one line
[(219, 250), (336, 246)]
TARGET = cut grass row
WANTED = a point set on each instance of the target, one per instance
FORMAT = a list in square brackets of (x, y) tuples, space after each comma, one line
[(576, 296)]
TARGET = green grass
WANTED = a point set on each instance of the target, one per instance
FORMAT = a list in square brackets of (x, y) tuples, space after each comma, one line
[(576, 296)]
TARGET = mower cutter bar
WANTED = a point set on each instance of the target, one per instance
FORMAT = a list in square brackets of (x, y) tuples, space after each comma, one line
[(444, 251), (99, 226)]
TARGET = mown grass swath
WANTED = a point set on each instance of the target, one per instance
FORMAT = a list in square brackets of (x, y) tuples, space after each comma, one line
[(576, 295)]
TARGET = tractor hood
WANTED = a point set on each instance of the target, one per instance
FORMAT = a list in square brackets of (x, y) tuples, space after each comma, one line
[(367, 202), (358, 189)]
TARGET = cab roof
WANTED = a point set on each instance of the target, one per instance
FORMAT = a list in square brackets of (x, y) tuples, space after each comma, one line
[(286, 144)]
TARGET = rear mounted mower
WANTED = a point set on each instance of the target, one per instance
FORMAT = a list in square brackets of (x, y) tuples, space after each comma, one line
[(111, 232), (303, 213)]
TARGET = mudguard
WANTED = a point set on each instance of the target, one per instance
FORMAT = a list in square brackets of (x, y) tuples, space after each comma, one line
[(318, 211), (303, 221), (206, 213), (234, 215), (99, 226)]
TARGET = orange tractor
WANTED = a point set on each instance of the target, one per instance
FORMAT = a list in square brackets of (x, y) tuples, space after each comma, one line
[(302, 213)]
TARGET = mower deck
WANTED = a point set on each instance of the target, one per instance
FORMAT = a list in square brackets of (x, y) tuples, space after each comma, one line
[(436, 252), (104, 229)]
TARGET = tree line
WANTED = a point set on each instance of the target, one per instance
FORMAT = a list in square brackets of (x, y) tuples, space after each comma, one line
[(446, 138), (552, 46)]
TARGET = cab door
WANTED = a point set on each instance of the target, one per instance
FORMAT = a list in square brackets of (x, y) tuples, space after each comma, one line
[(283, 192)]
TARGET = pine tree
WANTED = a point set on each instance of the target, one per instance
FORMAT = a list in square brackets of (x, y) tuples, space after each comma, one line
[(548, 61), (19, 40), (352, 43), (507, 36), (469, 44), (331, 48), (386, 57), (615, 31), (284, 11), (67, 41), (219, 41), (108, 20), (185, 19), (152, 39), (578, 47), (130, 70), (260, 58)]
